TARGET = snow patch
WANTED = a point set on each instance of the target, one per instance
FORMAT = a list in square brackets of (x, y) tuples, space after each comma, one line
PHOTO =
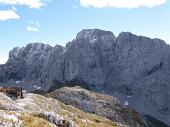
[(129, 96), (93, 40), (126, 103), (17, 82), (37, 87), (11, 117)]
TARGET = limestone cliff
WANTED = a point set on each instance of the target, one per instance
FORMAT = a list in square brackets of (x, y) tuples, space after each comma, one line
[(133, 68)]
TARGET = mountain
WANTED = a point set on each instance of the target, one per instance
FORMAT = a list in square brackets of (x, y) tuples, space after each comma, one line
[(134, 69)]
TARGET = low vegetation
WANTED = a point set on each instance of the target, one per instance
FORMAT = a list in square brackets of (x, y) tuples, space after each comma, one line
[(39, 111)]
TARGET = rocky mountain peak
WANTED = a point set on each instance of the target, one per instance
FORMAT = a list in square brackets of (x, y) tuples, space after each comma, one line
[(37, 47), (94, 34), (14, 52), (126, 34), (31, 47)]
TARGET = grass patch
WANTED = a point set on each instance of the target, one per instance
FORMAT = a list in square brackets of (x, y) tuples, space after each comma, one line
[(31, 121)]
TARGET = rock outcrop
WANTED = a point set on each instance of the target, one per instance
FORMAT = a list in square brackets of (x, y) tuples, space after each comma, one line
[(38, 111), (99, 104), (135, 69)]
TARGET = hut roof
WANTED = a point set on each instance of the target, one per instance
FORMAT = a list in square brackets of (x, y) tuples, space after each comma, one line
[(13, 87)]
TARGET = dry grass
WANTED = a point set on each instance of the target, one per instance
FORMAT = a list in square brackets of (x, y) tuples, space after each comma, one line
[(39, 104), (31, 121), (69, 112)]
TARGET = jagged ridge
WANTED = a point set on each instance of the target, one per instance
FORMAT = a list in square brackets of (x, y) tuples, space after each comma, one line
[(104, 63)]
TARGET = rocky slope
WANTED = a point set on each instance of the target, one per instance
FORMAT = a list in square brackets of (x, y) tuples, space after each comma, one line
[(104, 105), (38, 111), (90, 110), (135, 69), (99, 104)]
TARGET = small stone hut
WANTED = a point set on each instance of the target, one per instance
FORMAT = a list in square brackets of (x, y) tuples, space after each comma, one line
[(13, 92)]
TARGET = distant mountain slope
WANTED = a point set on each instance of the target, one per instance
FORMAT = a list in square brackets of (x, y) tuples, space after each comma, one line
[(135, 69), (152, 122)]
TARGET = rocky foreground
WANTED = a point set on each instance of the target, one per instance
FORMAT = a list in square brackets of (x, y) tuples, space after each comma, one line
[(38, 111), (73, 107)]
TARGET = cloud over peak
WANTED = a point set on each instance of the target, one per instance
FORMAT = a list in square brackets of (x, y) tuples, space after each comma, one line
[(121, 3), (33, 26), (3, 60)]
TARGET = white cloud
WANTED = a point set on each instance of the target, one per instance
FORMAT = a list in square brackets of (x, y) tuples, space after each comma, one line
[(33, 26), (32, 29), (3, 60), (167, 41), (14, 8), (8, 14), (121, 3), (31, 3)]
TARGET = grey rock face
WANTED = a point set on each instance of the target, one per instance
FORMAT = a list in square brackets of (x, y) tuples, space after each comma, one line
[(132, 68), (100, 104), (103, 105)]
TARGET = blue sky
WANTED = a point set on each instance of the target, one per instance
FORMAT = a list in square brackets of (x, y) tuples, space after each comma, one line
[(58, 21)]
